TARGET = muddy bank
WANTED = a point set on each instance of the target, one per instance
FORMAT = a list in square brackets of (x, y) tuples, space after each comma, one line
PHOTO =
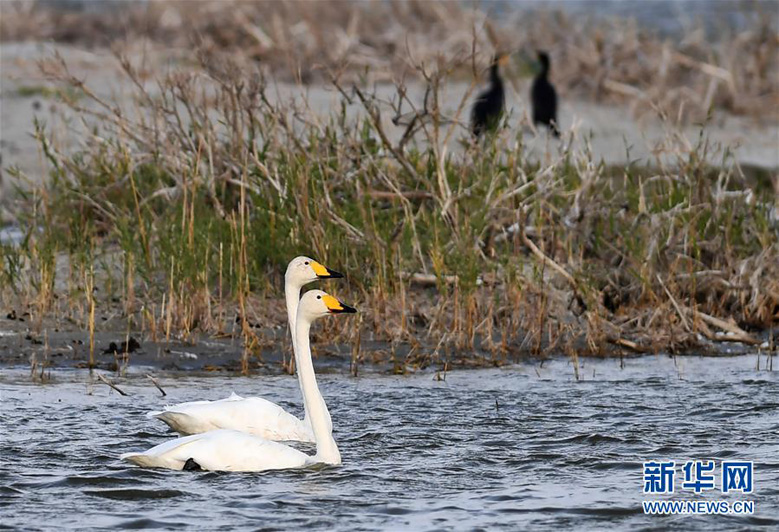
[(115, 351), (118, 352)]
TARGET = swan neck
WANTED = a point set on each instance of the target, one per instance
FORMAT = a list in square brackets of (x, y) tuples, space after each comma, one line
[(292, 296), (326, 448)]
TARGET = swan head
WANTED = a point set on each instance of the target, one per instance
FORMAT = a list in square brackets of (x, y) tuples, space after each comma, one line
[(304, 270), (317, 304)]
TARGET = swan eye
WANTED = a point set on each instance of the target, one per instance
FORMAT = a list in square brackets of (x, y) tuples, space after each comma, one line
[(306, 263), (319, 297)]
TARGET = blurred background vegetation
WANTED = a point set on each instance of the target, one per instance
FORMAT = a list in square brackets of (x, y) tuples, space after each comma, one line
[(184, 197)]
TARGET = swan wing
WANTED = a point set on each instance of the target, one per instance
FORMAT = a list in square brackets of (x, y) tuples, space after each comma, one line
[(253, 415), (221, 450), (181, 406)]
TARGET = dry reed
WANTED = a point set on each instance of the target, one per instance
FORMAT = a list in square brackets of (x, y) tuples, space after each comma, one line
[(305, 41), (457, 253)]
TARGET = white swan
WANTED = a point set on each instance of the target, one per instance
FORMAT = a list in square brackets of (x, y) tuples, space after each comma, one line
[(253, 414), (233, 450)]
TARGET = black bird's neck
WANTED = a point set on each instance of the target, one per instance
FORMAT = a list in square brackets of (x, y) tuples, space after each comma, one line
[(544, 74), (495, 75)]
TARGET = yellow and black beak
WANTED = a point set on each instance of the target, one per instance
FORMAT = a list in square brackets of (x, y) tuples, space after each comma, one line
[(336, 307), (323, 272)]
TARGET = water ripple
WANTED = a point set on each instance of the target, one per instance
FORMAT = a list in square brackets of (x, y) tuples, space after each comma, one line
[(482, 450)]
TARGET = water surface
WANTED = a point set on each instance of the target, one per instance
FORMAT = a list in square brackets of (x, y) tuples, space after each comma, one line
[(526, 447)]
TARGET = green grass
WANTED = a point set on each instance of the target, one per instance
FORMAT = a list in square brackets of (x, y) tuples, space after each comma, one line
[(67, 94), (203, 212)]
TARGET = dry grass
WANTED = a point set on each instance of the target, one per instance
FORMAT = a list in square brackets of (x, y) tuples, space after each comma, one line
[(183, 207), (306, 41)]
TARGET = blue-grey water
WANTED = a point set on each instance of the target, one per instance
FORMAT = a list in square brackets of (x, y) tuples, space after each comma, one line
[(528, 447)]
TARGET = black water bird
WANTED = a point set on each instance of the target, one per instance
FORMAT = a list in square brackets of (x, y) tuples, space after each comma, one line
[(544, 97), (489, 105)]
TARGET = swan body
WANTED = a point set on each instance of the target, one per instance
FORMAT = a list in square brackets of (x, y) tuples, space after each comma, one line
[(253, 415), (221, 450), (232, 450)]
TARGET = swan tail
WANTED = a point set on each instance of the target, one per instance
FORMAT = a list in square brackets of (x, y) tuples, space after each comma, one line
[(139, 459), (154, 460), (177, 421)]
